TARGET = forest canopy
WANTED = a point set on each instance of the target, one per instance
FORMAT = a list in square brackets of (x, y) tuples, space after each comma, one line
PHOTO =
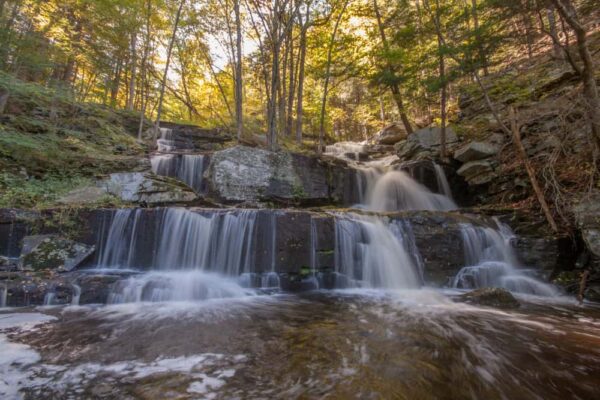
[(295, 70)]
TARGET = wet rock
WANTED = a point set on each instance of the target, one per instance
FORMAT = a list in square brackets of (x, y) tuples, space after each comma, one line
[(391, 134), (148, 188), (41, 252), (95, 288), (24, 290), (475, 151), (592, 293), (491, 297)]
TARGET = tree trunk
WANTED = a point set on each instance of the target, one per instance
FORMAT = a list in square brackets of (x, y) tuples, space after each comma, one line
[(394, 88), (291, 91), (327, 76), (481, 49), (590, 89), (238, 72), (556, 49), (133, 77), (299, 109), (144, 92), (165, 75)]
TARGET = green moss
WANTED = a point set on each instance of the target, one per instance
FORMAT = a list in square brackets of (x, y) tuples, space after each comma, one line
[(17, 191)]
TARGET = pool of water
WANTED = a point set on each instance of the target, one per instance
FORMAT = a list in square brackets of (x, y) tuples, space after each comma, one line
[(341, 344)]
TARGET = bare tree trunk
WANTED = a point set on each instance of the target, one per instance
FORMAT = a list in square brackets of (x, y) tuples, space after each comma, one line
[(590, 90), (164, 79), (116, 83), (133, 77), (238, 72), (327, 77), (291, 91), (556, 48), (299, 109), (144, 93), (528, 31), (481, 49), (532, 177), (395, 89), (443, 96)]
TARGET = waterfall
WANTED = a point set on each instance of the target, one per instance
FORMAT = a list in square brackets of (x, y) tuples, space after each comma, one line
[(166, 142), (218, 241), (188, 168), (175, 286), (442, 181), (3, 295), (371, 253), (491, 262), (76, 294), (396, 190)]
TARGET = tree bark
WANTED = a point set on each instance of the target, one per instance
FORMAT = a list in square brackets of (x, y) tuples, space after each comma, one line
[(143, 90), (327, 77), (481, 49), (394, 88), (556, 48), (299, 100), (238, 72), (532, 177), (165, 75), (133, 77)]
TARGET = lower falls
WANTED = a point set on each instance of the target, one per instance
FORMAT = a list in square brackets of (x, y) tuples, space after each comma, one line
[(369, 301)]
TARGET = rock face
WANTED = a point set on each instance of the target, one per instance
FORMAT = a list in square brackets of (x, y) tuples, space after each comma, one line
[(147, 188), (246, 174), (491, 297), (42, 252), (477, 172), (474, 151), (86, 195), (391, 134), (587, 216), (424, 144)]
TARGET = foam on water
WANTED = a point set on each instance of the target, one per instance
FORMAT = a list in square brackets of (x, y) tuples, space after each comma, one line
[(491, 262)]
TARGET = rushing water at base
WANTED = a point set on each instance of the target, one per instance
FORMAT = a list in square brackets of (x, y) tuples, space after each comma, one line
[(491, 262), (412, 344)]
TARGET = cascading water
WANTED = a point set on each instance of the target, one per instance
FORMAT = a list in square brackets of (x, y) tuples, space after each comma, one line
[(188, 168), (396, 190), (491, 262), (198, 255), (166, 142), (370, 253)]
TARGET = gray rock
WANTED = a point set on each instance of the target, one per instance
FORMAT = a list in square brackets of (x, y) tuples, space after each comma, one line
[(491, 297), (587, 216), (475, 151), (424, 144), (391, 134), (148, 188), (474, 168), (246, 174), (42, 252)]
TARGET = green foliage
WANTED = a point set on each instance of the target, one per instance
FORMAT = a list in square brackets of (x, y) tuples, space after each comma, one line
[(17, 191)]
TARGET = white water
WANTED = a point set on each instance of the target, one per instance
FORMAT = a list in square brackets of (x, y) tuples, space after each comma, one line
[(398, 191), (188, 168), (491, 262), (342, 149), (166, 143), (175, 286), (371, 253), (220, 241)]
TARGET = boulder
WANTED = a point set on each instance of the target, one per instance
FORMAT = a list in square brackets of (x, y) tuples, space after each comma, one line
[(148, 188), (424, 143), (246, 174), (587, 217), (474, 151), (53, 252), (477, 172), (491, 297), (391, 134)]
